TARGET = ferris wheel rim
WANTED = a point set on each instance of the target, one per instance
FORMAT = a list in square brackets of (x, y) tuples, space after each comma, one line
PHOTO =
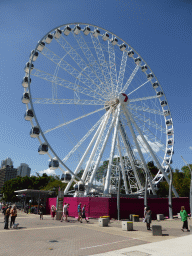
[(41, 132)]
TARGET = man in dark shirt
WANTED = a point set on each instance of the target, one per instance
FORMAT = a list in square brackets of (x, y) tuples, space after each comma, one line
[(7, 213)]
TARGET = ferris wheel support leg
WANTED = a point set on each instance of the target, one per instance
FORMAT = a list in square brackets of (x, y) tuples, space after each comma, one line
[(151, 152), (108, 176), (139, 150), (101, 152), (129, 155), (122, 166), (95, 146), (83, 157)]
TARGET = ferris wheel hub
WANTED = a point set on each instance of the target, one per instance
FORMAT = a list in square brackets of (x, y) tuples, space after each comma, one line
[(123, 98)]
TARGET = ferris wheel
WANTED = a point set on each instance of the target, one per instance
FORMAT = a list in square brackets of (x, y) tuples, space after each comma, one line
[(92, 99)]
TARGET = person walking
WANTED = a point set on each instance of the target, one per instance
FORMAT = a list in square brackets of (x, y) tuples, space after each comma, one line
[(145, 210), (4, 210), (83, 213), (79, 213), (65, 212), (148, 217), (41, 212), (53, 211), (184, 215), (13, 216), (27, 208), (7, 213)]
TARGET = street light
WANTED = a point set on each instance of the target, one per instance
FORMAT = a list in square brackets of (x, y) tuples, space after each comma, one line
[(170, 193), (190, 193)]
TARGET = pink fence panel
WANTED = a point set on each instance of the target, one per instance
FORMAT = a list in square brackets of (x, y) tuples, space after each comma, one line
[(98, 206), (50, 201)]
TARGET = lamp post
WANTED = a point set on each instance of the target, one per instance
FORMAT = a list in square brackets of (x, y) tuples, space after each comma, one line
[(190, 193), (145, 194), (170, 193), (118, 196)]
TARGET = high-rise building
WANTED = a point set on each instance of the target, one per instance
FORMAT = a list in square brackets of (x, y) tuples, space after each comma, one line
[(7, 172), (23, 170)]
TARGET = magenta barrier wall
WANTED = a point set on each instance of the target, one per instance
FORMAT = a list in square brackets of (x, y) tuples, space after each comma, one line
[(96, 207), (50, 201)]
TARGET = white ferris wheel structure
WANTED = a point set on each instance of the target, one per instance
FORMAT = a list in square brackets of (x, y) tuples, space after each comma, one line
[(92, 99)]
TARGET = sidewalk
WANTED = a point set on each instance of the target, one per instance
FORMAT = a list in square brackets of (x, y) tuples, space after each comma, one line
[(172, 247)]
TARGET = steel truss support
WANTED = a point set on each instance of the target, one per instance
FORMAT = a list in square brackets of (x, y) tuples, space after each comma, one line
[(151, 152), (130, 79), (139, 150), (129, 150), (122, 166), (107, 181), (85, 154)]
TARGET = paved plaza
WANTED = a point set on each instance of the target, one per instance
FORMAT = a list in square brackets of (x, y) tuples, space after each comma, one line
[(51, 237)]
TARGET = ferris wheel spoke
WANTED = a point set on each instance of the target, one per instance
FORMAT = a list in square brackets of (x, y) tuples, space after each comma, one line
[(144, 98), (122, 166), (149, 121), (64, 83), (87, 151), (71, 121), (83, 139), (139, 150), (67, 101), (107, 181), (138, 87), (122, 71), (151, 151), (102, 61), (130, 79), (112, 67), (71, 70), (103, 141), (92, 63), (130, 153), (95, 147), (145, 109)]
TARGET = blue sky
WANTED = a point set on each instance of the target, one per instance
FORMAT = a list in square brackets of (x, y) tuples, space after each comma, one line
[(160, 31)]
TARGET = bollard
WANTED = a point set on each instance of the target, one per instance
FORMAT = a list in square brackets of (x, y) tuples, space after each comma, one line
[(160, 216), (135, 218), (103, 222), (156, 230), (127, 225)]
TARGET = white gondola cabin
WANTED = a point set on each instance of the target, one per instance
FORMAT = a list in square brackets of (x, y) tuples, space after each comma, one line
[(170, 151), (96, 32), (80, 187), (130, 54), (122, 47), (34, 133), (159, 94), (25, 81), (66, 177), (41, 46), (43, 149), (36, 54), (170, 142), (29, 115), (76, 30), (114, 41), (149, 76), (57, 33), (105, 37), (86, 31), (48, 39), (144, 68), (166, 112), (169, 122), (170, 132), (53, 164), (25, 98), (163, 103), (155, 85), (27, 66), (66, 31), (137, 60)]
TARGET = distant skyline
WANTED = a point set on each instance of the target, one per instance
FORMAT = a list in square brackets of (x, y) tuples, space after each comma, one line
[(160, 31)]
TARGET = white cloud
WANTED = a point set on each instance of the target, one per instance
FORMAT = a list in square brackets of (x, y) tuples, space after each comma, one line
[(48, 172), (190, 147), (155, 146)]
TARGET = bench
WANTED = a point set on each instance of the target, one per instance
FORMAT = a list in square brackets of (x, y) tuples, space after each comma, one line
[(160, 216), (156, 230), (127, 225)]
